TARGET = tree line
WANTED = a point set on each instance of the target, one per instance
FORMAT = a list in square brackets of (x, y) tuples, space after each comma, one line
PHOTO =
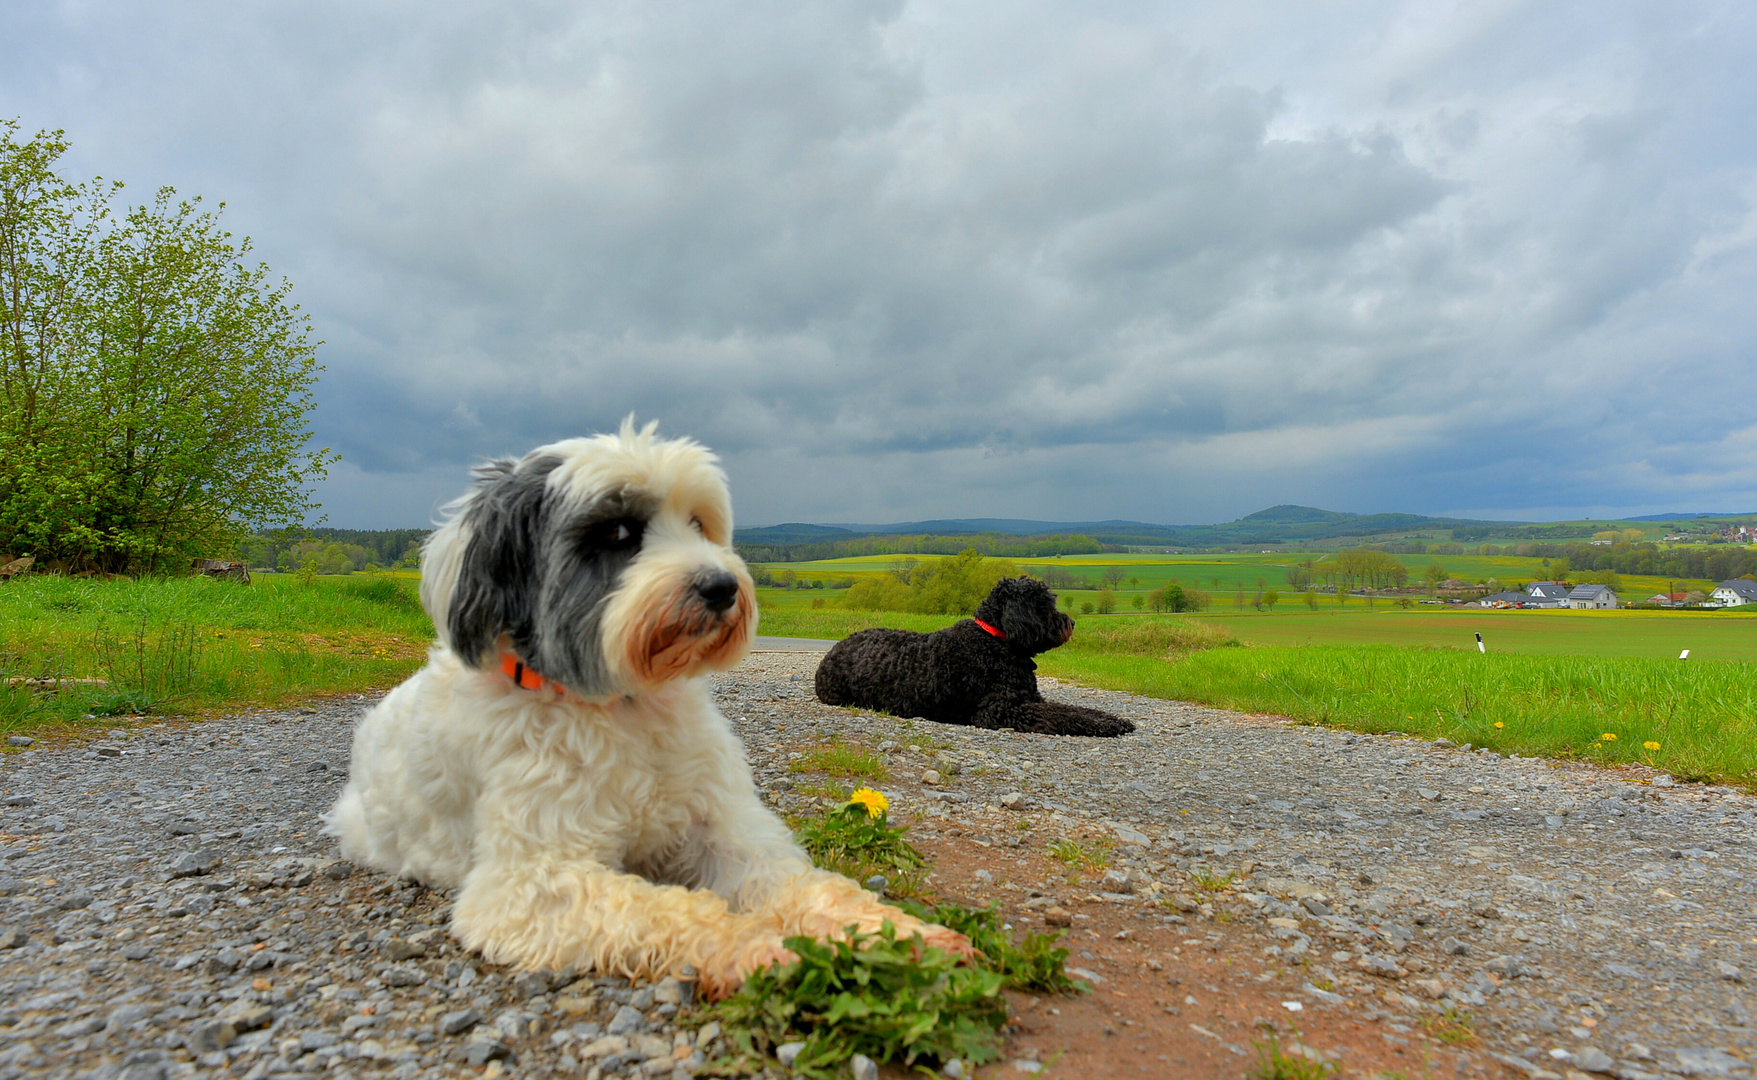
[(991, 545)]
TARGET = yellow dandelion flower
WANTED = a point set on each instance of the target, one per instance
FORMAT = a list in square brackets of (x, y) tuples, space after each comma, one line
[(1609, 736), (1650, 745), (874, 801), (1499, 724)]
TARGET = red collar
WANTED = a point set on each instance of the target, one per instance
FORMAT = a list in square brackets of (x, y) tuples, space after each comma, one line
[(996, 631), (522, 676)]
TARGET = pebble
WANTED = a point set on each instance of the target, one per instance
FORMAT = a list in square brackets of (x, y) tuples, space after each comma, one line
[(861, 1067)]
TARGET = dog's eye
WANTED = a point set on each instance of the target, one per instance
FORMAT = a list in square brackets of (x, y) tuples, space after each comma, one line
[(616, 534), (697, 522)]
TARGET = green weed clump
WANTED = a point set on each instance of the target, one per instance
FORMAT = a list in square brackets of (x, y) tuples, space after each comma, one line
[(857, 840), (1274, 1063), (875, 994), (848, 762), (1037, 964), (890, 999)]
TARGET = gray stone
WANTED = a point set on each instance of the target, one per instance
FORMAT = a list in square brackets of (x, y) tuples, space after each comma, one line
[(788, 1053), (1315, 906), (210, 1035), (317, 1040), (402, 975), (1592, 1059), (1118, 881), (514, 1024), (479, 1052), (528, 984), (193, 863), (12, 937), (878, 883), (673, 991), (75, 900), (20, 741), (1505, 966), (1453, 947), (1128, 834), (247, 1015), (1015, 800), (862, 1067), (1382, 966), (123, 1015), (626, 1020), (1708, 1061), (1728, 971), (396, 950), (453, 1023), (1428, 794)]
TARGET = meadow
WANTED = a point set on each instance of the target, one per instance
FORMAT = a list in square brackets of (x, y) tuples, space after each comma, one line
[(1225, 575), (185, 645), (1552, 683)]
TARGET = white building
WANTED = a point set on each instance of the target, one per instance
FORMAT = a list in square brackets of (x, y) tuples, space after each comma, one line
[(1593, 596), (1735, 593), (1547, 594)]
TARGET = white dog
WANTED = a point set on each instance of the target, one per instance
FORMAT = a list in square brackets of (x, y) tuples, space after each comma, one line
[(559, 758)]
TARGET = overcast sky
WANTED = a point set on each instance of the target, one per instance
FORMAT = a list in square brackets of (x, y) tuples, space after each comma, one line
[(1169, 262)]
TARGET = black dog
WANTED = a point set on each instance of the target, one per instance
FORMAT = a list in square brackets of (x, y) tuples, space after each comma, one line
[(977, 671)]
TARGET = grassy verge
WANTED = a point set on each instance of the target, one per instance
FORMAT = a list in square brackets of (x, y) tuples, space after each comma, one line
[(186, 645), (1695, 719)]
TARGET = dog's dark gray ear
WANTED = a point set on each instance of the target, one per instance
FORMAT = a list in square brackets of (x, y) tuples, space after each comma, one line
[(500, 573)]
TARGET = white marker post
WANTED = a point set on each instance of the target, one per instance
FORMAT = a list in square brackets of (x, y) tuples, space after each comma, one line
[(1479, 645), (1685, 655)]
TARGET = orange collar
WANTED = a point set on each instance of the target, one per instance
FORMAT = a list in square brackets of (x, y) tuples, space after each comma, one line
[(996, 631), (522, 676)]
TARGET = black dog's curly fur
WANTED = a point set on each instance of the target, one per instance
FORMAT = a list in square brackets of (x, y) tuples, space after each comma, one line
[(963, 674)]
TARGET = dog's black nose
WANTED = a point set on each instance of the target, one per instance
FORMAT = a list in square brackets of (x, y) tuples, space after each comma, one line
[(718, 591)]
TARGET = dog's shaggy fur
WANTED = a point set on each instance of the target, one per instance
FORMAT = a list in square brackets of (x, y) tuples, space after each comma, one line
[(964, 674), (592, 806)]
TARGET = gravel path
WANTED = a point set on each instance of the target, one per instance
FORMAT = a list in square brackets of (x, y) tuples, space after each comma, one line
[(168, 909)]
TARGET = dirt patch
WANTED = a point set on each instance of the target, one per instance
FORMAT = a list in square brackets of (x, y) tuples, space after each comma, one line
[(1190, 999)]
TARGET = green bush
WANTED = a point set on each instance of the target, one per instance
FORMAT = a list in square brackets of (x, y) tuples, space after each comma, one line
[(953, 586)]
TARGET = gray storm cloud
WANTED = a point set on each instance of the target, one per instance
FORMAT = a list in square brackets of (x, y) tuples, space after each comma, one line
[(1168, 262)]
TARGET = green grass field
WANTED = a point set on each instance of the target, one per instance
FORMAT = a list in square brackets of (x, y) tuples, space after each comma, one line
[(190, 644), (1552, 682), (1232, 572)]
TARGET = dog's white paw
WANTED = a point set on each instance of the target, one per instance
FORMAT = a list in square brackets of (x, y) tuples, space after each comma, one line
[(723, 977), (935, 936)]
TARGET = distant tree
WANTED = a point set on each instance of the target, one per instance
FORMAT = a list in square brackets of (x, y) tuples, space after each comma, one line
[(1085, 607), (1138, 601), (1106, 601), (1311, 599), (1270, 599), (154, 387), (1112, 576), (1067, 601), (1432, 576)]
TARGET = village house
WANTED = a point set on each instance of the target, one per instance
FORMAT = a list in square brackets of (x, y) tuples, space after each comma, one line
[(1592, 596), (1735, 593), (1547, 594)]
